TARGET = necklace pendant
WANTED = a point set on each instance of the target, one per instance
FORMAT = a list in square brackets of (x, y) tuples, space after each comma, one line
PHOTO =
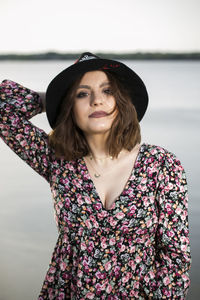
[(97, 175)]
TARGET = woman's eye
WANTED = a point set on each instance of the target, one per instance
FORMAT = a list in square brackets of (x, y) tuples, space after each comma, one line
[(81, 94), (108, 91)]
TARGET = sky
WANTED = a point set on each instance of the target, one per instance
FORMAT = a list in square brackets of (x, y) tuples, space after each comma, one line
[(31, 26)]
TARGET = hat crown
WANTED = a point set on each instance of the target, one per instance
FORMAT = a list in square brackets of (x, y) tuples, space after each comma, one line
[(86, 56)]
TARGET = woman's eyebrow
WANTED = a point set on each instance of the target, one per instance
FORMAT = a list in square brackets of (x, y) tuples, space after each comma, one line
[(105, 83), (83, 86)]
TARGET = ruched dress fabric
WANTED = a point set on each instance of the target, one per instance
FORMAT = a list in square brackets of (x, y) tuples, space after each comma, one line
[(138, 248)]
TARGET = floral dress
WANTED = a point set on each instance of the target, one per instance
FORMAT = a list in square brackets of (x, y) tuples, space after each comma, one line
[(137, 249)]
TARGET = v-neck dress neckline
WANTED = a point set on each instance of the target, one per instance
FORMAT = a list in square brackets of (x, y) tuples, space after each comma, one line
[(126, 186)]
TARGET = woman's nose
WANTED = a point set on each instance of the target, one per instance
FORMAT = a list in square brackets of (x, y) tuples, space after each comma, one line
[(96, 99)]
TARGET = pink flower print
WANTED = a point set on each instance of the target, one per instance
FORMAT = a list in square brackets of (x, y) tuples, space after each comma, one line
[(23, 109), (98, 275), (178, 210), (185, 277), (107, 266), (5, 133), (87, 200), (125, 279), (169, 187), (183, 217), (52, 270), (103, 287), (65, 237), (94, 221), (61, 296), (146, 278), (58, 172), (138, 259), (112, 221), (184, 240), (161, 177), (132, 249), (91, 247), (49, 278), (120, 215), (123, 247), (80, 201), (50, 293), (83, 246), (145, 201), (167, 292), (152, 274), (149, 223), (114, 258), (134, 294), (169, 208), (184, 248), (124, 229), (166, 280), (103, 242), (29, 96), (63, 266), (117, 271), (90, 295), (88, 224), (144, 180), (132, 209), (19, 137), (109, 289), (97, 206), (79, 283), (143, 187), (136, 285), (170, 233), (112, 241), (132, 265)]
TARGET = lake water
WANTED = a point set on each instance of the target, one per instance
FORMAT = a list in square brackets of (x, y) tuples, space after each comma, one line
[(27, 228)]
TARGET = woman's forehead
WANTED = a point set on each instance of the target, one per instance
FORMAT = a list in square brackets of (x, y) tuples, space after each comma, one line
[(94, 77)]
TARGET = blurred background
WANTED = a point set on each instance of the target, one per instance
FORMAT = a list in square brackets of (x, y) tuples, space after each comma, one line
[(27, 228)]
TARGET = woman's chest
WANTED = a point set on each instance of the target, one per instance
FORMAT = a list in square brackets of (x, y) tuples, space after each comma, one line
[(110, 186)]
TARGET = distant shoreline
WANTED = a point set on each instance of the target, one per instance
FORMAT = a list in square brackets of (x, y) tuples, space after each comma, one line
[(132, 56)]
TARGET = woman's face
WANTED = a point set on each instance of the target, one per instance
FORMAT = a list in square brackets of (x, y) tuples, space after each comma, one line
[(93, 102)]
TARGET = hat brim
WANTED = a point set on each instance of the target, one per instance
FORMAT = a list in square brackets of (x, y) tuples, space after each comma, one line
[(60, 84)]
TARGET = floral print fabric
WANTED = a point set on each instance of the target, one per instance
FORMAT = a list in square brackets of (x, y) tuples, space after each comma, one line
[(137, 249)]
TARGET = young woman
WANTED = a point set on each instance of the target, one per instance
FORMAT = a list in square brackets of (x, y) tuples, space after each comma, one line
[(121, 206)]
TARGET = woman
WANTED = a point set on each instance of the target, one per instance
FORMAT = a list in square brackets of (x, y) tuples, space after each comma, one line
[(121, 206)]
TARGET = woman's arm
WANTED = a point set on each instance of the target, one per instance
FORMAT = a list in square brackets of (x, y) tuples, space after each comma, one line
[(17, 105), (173, 258)]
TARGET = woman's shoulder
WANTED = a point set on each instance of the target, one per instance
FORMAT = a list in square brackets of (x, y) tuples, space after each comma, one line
[(159, 153)]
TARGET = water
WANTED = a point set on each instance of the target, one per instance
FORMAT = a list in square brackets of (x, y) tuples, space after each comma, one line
[(27, 228)]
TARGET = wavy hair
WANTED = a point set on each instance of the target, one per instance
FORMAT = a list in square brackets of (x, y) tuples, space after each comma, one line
[(68, 140)]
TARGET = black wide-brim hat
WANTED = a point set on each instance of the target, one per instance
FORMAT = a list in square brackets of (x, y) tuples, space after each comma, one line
[(58, 87)]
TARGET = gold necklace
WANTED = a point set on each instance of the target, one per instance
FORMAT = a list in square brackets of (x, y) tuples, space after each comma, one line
[(96, 174)]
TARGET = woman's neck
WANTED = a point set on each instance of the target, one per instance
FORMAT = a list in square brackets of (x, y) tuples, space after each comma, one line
[(97, 145)]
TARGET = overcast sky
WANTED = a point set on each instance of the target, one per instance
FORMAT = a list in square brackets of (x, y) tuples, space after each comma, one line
[(103, 25)]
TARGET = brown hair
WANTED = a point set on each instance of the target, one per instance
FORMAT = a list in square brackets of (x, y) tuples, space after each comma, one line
[(68, 140)]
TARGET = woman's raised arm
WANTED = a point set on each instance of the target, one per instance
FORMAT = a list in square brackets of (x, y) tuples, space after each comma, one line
[(17, 105)]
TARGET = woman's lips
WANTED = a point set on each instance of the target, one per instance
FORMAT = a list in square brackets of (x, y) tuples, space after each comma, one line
[(98, 114)]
